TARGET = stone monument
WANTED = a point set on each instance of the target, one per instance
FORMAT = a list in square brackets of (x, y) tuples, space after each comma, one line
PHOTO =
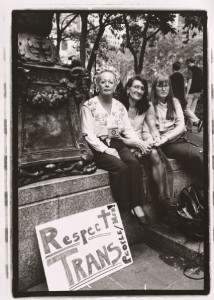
[(49, 95)]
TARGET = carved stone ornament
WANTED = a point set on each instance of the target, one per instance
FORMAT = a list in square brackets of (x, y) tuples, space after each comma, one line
[(50, 139), (49, 95), (36, 49)]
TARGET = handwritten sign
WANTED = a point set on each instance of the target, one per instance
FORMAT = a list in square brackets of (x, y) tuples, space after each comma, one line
[(82, 248)]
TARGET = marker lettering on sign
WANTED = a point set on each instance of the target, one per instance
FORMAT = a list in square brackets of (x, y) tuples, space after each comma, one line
[(114, 215), (62, 257), (104, 216), (48, 237), (93, 263), (79, 249)]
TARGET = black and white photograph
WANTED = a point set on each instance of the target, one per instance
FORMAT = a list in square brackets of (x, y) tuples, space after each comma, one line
[(108, 151)]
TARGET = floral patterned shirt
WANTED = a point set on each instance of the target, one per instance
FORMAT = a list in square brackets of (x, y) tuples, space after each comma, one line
[(96, 121)]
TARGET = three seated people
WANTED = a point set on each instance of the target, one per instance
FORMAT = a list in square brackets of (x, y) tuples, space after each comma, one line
[(124, 135)]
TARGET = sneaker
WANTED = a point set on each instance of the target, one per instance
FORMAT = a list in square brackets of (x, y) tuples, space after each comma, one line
[(200, 125)]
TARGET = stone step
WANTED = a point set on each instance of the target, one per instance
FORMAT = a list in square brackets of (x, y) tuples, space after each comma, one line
[(175, 241)]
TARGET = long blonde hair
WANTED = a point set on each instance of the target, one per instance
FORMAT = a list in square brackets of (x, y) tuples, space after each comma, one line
[(163, 77)]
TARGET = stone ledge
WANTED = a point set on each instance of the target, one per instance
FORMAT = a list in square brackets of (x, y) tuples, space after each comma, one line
[(57, 187)]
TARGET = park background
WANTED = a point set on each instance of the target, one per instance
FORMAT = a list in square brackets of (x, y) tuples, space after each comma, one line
[(133, 42)]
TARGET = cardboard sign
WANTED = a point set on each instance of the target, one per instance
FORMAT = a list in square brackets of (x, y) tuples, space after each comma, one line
[(82, 248)]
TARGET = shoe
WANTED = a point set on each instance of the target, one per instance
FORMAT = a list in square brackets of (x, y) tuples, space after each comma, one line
[(144, 220), (200, 125)]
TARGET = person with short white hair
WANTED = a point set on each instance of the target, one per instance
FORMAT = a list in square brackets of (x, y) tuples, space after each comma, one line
[(103, 119)]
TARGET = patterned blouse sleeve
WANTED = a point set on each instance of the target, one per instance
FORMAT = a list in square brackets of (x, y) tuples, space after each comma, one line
[(88, 130)]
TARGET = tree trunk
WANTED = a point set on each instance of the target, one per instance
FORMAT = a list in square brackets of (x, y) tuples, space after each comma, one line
[(141, 58), (83, 37), (95, 48), (59, 34)]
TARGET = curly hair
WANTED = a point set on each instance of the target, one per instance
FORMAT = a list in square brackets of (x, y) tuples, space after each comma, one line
[(106, 68), (142, 105)]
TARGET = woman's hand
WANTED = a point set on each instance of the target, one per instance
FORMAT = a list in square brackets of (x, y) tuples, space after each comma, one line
[(163, 140), (150, 141), (145, 147), (112, 152)]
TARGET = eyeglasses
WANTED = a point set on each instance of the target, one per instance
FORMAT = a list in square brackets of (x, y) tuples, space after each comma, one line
[(138, 87), (162, 85)]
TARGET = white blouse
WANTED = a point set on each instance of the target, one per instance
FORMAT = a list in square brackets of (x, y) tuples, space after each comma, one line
[(171, 129), (96, 121), (139, 120)]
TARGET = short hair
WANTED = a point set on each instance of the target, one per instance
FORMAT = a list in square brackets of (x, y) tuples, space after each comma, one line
[(176, 66), (106, 68)]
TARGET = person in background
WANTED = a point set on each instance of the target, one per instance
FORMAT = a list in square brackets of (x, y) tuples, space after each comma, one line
[(178, 87), (178, 84), (103, 119), (140, 110), (170, 123), (194, 88)]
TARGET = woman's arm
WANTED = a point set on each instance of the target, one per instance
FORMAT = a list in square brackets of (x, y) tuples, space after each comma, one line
[(131, 139), (87, 124), (179, 125), (88, 130), (150, 121), (144, 146)]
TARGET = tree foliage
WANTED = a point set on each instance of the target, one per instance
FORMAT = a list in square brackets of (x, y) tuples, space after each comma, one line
[(143, 28), (150, 37), (170, 48), (193, 23)]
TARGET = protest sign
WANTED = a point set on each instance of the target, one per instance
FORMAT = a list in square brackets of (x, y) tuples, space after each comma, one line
[(82, 248)]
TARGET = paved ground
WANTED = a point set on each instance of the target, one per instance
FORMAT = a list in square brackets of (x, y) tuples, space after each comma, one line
[(152, 269)]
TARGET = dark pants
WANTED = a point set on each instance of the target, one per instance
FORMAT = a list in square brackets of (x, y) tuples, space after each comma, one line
[(125, 175), (190, 156)]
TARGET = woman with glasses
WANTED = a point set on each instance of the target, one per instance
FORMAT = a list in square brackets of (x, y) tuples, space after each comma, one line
[(140, 110), (170, 123), (103, 119)]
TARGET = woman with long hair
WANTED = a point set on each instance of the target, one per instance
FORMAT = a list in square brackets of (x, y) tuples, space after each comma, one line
[(170, 124), (141, 111), (103, 119)]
